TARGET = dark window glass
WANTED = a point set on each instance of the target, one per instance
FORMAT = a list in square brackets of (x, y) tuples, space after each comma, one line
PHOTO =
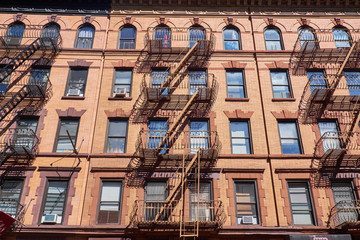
[(77, 82), (246, 203), (50, 34), (300, 203), (353, 82), (307, 38), (10, 196), (116, 141), (240, 139), (110, 202), (289, 138), (15, 33), (235, 84), (55, 200), (127, 37), (231, 38), (122, 80), (196, 34), (273, 39), (63, 143), (342, 37), (162, 36), (85, 36), (280, 84)]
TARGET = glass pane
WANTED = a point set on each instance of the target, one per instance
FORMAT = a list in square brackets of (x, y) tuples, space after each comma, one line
[(111, 191), (353, 82), (302, 218), (231, 34), (68, 125), (156, 191), (55, 199), (273, 45), (342, 38), (239, 129), (123, 77), (279, 78), (236, 92), (281, 92), (289, 146), (342, 191), (234, 78), (288, 130), (231, 45), (117, 128), (116, 145), (16, 30), (128, 33), (196, 34), (240, 146)]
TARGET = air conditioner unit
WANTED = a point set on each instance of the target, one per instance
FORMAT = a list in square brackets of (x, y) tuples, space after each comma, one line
[(120, 92), (247, 220), (50, 218), (73, 92)]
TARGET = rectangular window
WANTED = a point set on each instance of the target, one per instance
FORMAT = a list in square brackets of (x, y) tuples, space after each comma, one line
[(122, 83), (344, 198), (76, 82), (110, 202), (353, 82), (5, 76), (329, 135), (280, 84), (246, 202), (300, 203), (63, 143), (25, 134), (197, 79), (240, 138), (235, 84), (117, 131), (159, 76), (155, 196), (157, 129), (289, 138), (10, 196), (54, 201), (199, 135), (200, 202)]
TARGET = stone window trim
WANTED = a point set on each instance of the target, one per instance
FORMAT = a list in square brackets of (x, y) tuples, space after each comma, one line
[(239, 114), (233, 65), (70, 113), (81, 63)]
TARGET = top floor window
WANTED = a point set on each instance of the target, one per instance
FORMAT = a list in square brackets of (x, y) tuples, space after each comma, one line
[(162, 36), (85, 36), (231, 38), (307, 37), (127, 37), (14, 33), (342, 37), (196, 33), (50, 34), (273, 39)]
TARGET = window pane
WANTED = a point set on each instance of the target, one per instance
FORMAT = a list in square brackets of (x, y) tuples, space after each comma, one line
[(246, 202), (116, 145), (55, 197), (128, 32), (240, 141), (117, 136), (288, 130), (236, 92), (353, 82), (271, 34), (117, 128), (273, 45), (234, 78), (300, 202), (235, 84), (279, 78), (342, 38), (63, 141)]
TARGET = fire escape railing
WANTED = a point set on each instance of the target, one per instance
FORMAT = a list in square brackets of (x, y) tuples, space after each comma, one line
[(345, 214)]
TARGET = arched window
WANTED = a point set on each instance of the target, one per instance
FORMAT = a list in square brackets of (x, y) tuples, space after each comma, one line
[(162, 36), (196, 33), (307, 37), (273, 39), (127, 36), (231, 38), (14, 33), (342, 37), (85, 36), (50, 34)]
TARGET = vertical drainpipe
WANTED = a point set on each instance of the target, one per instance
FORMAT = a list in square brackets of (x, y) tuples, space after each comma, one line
[(268, 159), (92, 134)]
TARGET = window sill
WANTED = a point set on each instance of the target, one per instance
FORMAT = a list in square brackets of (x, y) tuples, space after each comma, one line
[(120, 98), (236, 99), (72, 98), (283, 99)]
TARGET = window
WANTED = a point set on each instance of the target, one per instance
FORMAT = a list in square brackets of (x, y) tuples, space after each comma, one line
[(353, 82), (196, 33), (10, 196), (289, 138), (14, 33), (329, 133), (235, 84), (63, 143), (273, 39), (162, 36), (122, 80), (54, 201), (25, 134), (300, 203), (116, 142), (157, 129), (50, 34), (246, 202), (127, 37), (110, 202), (38, 81), (76, 82), (342, 37), (317, 80), (155, 196), (5, 76), (344, 198), (198, 79), (231, 38), (199, 135), (280, 84), (240, 139), (200, 201), (307, 38), (85, 36), (158, 76)]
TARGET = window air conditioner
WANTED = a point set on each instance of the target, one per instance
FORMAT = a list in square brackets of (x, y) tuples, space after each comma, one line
[(247, 220), (50, 218), (73, 92), (120, 92)]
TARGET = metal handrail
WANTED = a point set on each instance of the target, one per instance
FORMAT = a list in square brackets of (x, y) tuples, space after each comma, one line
[(20, 139), (345, 213)]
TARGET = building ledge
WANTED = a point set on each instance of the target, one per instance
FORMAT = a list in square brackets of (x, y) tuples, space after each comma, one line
[(120, 98), (236, 99), (72, 98), (283, 99)]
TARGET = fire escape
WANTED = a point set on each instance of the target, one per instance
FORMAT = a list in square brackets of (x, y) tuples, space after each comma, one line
[(176, 92), (24, 89), (331, 95)]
